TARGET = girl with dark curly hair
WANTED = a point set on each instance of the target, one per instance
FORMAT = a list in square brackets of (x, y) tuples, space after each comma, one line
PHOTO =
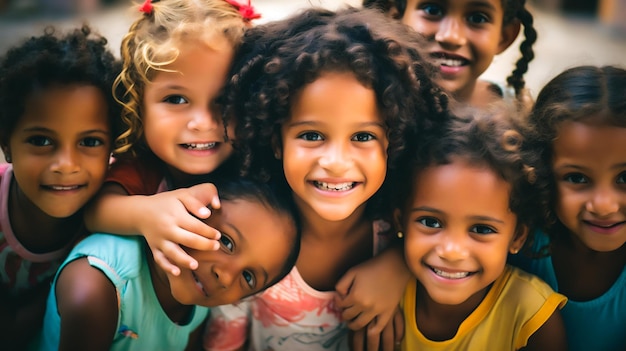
[(324, 103), (57, 124), (463, 38), (580, 136), (469, 200)]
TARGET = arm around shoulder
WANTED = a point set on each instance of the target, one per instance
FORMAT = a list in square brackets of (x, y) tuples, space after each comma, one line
[(88, 307)]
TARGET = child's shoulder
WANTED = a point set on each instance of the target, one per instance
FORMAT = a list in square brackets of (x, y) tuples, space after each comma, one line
[(119, 257)]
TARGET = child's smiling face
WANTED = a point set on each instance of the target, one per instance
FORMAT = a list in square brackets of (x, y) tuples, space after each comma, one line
[(60, 148), (459, 230), (463, 37), (591, 190), (256, 241), (334, 146)]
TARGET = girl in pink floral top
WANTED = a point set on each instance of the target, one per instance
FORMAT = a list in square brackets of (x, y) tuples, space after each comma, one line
[(323, 101)]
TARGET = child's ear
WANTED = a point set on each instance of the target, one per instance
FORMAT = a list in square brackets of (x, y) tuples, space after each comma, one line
[(277, 147), (509, 33), (7, 153), (397, 219), (521, 234)]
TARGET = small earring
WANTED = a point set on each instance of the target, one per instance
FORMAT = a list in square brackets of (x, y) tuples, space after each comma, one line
[(514, 251), (400, 234)]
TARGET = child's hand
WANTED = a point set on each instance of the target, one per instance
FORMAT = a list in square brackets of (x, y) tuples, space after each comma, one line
[(388, 340), (170, 222), (369, 293)]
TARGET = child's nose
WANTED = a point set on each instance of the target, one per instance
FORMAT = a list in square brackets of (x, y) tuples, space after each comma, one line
[(336, 158), (67, 160), (450, 32), (452, 247), (225, 275), (604, 202), (203, 119)]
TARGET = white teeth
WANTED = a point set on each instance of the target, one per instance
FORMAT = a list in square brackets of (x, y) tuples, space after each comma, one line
[(60, 188), (458, 275), (334, 186), (199, 285), (449, 62), (203, 146)]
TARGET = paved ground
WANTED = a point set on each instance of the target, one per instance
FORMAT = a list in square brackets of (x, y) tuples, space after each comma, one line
[(563, 41)]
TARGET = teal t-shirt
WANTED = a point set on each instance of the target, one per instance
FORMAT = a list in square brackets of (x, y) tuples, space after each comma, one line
[(142, 323), (599, 324)]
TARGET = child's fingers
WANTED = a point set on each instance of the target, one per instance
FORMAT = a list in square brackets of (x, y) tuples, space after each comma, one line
[(206, 194), (360, 321), (343, 287), (398, 325), (358, 340), (387, 337), (349, 313), (197, 235), (164, 263), (373, 339), (174, 254)]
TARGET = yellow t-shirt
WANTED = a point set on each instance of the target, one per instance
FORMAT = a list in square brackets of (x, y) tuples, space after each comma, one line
[(515, 307)]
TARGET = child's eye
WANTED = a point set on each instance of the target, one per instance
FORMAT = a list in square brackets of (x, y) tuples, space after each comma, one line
[(227, 243), (576, 178), (249, 278), (482, 229), (363, 137), (311, 136), (621, 178), (39, 140), (432, 10), (429, 222), (175, 100), (477, 18), (92, 142)]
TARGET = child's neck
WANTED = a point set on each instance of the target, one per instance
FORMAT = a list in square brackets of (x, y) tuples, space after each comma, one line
[(439, 322), (37, 231), (577, 267), (316, 227), (175, 311), (342, 245)]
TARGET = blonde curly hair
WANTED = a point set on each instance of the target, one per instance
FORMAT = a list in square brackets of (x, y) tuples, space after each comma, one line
[(153, 42)]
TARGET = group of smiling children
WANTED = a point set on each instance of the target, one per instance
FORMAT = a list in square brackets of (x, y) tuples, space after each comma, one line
[(335, 180)]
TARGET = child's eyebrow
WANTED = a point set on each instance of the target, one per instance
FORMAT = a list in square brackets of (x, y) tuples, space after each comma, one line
[(483, 4), (242, 239), (486, 219), (46, 130)]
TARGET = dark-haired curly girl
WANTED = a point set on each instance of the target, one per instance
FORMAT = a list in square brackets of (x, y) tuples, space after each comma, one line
[(57, 124), (463, 38), (323, 103)]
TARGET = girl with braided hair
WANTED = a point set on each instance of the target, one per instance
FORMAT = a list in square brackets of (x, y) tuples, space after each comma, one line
[(463, 38)]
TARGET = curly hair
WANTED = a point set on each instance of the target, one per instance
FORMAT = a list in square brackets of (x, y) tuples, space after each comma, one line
[(77, 57), (277, 60), (586, 94), (513, 10), (490, 137), (152, 43)]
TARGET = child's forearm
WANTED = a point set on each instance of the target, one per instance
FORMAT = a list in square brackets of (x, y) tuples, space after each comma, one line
[(114, 211)]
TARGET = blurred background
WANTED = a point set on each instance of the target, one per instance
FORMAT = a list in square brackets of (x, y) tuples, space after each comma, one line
[(571, 32)]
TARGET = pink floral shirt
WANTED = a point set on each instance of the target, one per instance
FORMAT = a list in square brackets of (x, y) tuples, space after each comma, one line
[(288, 316)]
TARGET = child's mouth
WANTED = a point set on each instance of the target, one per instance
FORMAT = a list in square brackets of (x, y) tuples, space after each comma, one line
[(447, 60), (334, 186), (200, 146)]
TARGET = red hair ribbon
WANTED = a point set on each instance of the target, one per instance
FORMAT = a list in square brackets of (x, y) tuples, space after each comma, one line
[(247, 11), (146, 7)]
